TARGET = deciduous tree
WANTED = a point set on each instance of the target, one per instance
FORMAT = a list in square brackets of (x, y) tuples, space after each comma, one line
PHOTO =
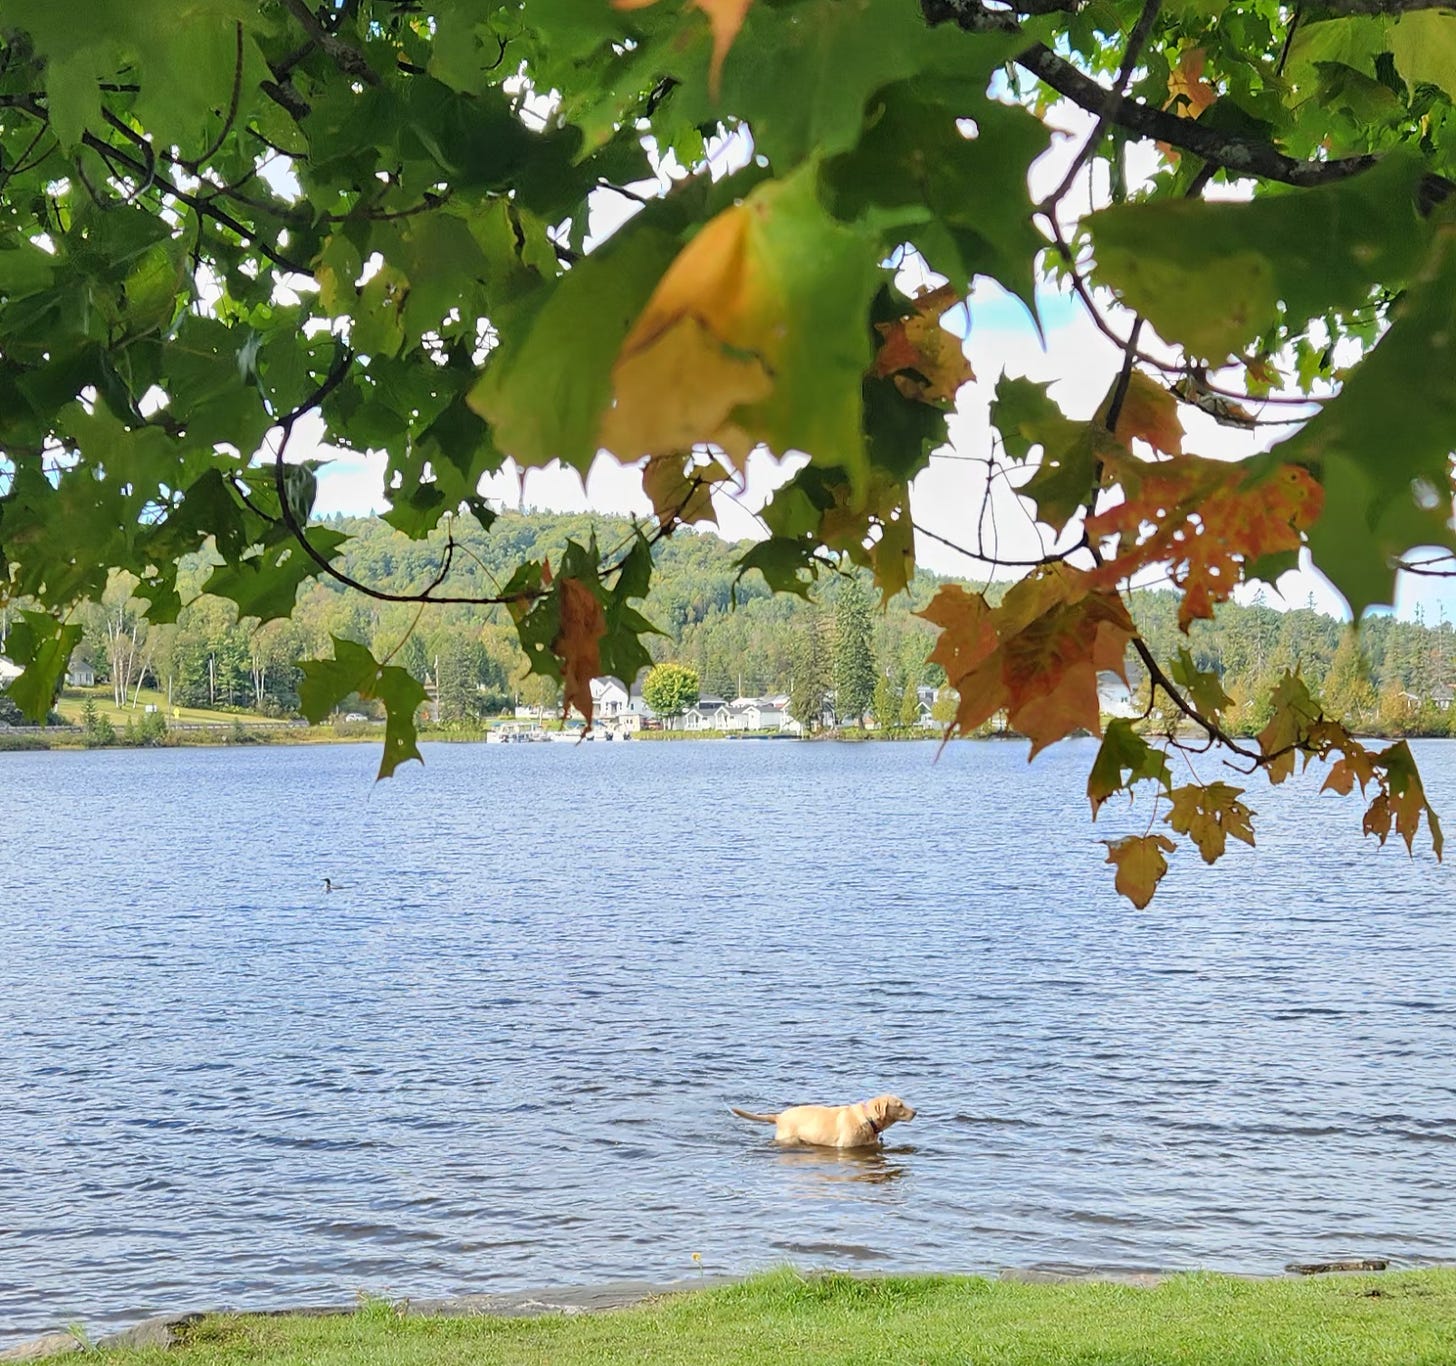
[(671, 689), (464, 236)]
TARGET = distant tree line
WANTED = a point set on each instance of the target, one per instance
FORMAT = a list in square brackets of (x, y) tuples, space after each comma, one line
[(837, 656)]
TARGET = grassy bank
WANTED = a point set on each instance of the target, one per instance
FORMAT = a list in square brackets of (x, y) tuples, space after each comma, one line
[(1405, 1318)]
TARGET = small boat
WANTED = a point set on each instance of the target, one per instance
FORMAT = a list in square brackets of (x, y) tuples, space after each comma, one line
[(515, 733)]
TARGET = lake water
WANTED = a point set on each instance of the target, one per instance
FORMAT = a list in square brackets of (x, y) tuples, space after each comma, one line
[(501, 1056)]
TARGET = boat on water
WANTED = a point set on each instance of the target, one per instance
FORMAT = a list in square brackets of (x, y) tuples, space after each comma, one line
[(516, 733)]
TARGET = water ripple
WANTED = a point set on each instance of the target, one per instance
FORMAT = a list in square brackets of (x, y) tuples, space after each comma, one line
[(503, 1056)]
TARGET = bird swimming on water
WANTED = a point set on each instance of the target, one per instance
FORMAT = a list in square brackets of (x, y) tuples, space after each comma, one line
[(331, 886)]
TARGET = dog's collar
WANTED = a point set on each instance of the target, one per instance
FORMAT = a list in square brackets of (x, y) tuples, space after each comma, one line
[(877, 1129)]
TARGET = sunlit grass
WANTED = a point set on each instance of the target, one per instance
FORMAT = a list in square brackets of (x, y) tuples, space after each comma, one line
[(1193, 1320), (73, 702)]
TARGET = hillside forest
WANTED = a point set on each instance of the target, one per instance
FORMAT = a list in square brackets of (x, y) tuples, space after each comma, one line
[(1392, 677)]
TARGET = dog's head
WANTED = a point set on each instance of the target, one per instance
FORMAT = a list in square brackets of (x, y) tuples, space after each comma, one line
[(888, 1110)]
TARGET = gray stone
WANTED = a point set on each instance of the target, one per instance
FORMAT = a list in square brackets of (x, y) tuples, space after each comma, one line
[(158, 1331), (1142, 1280), (52, 1344)]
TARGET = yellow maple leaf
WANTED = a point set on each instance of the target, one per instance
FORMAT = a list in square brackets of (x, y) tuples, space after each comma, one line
[(926, 362), (710, 339), (1403, 798), (1294, 712), (1208, 815), (578, 644), (679, 390), (1140, 865), (681, 494), (873, 526)]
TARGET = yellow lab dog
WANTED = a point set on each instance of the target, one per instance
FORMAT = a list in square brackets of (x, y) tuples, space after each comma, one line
[(834, 1126)]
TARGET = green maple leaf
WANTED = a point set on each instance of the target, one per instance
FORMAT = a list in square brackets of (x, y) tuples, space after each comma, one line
[(326, 682), (963, 199), (804, 72), (1203, 687), (545, 392), (265, 584), (1123, 759), (1211, 276), (1027, 417), (1381, 447), (43, 646)]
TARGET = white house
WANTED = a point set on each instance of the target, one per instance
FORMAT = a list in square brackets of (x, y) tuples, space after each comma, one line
[(80, 674), (767, 713), (609, 698), (711, 713), (9, 672), (1115, 698)]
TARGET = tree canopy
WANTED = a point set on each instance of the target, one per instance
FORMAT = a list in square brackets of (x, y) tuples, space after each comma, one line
[(466, 233)]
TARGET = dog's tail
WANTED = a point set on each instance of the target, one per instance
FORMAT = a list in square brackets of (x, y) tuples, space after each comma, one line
[(758, 1119)]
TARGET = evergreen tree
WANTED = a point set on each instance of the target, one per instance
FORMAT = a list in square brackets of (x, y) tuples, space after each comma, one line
[(1347, 689), (811, 674), (909, 705), (885, 704), (854, 660)]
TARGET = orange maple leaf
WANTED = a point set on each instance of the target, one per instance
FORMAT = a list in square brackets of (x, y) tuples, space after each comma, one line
[(1140, 865), (1203, 520), (967, 651), (1036, 656), (1189, 92), (927, 362), (725, 18), (1148, 411), (578, 644)]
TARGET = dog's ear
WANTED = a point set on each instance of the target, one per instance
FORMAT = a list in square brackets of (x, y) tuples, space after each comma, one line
[(878, 1108)]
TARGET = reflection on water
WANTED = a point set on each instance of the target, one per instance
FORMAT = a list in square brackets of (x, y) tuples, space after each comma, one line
[(808, 1169), (500, 1055)]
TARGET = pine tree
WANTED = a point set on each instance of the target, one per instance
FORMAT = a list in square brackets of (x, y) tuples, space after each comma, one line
[(811, 676), (909, 705), (854, 659), (885, 705)]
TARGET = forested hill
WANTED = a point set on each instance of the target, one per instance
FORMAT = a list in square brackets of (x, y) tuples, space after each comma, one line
[(740, 638)]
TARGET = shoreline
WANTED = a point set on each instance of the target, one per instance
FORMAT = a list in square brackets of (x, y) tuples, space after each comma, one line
[(166, 1329)]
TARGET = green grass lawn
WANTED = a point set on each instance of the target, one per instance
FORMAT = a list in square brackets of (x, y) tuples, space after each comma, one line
[(73, 701), (1192, 1320)]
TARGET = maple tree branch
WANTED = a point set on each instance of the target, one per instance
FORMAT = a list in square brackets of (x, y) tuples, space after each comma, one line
[(348, 59), (115, 156), (1135, 43), (232, 113), (1241, 155), (1056, 557), (1229, 151), (1344, 8), (1159, 679), (1427, 567)]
